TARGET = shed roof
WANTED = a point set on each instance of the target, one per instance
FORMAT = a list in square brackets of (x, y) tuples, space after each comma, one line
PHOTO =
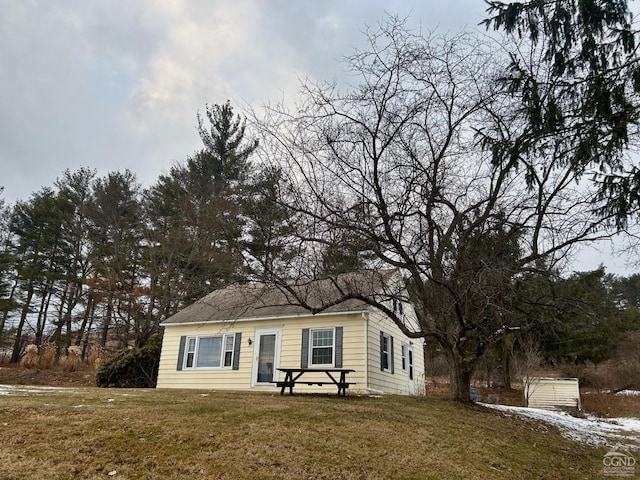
[(260, 300)]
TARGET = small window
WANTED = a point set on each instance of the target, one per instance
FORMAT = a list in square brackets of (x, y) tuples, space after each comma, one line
[(191, 352), (397, 307), (228, 350), (322, 347), (386, 352), (405, 358)]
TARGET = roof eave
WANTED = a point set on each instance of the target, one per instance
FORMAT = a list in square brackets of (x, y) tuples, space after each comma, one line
[(167, 323)]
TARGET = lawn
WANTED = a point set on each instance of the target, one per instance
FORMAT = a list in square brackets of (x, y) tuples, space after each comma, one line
[(87, 433)]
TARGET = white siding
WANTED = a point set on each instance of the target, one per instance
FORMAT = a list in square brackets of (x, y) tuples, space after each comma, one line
[(353, 349), (398, 381), (170, 377), (291, 344), (552, 393)]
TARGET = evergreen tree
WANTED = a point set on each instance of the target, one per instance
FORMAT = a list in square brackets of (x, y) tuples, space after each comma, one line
[(76, 188), (40, 251), (577, 80), (8, 280), (195, 213), (116, 233), (270, 225), (589, 320), (627, 291), (230, 150)]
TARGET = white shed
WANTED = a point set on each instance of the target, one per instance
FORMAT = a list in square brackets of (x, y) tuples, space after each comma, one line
[(552, 393)]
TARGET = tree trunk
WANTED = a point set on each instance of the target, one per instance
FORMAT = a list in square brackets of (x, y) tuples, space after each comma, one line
[(460, 381), (17, 344), (502, 374), (88, 311), (106, 324), (72, 301), (57, 334), (44, 310), (85, 345)]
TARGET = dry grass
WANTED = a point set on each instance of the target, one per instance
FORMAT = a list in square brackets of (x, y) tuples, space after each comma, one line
[(88, 433), (72, 361), (31, 357), (13, 374), (610, 405)]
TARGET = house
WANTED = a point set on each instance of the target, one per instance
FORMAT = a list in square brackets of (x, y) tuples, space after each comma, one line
[(235, 338), (552, 393)]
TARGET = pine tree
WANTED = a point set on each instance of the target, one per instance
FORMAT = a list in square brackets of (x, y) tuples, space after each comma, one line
[(575, 69), (195, 213), (40, 252), (116, 233)]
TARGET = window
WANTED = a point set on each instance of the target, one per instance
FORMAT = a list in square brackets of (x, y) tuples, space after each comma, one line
[(191, 352), (322, 347), (398, 309), (384, 349), (386, 352), (405, 359), (208, 354), (228, 350), (210, 351)]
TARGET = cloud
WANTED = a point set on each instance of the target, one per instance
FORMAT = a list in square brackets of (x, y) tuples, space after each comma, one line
[(118, 84)]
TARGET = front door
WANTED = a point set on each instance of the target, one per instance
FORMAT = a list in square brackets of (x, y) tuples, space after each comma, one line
[(266, 356)]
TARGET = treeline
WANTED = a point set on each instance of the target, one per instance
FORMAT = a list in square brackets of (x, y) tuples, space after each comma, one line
[(101, 260), (93, 260), (588, 318), (471, 173)]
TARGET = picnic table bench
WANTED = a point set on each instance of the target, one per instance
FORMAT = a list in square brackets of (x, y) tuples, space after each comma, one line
[(292, 377)]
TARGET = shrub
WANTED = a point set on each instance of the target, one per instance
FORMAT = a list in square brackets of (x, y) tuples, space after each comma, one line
[(132, 368), (31, 357), (47, 356), (72, 360), (97, 354)]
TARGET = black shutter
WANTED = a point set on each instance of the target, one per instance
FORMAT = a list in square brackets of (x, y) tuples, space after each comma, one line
[(304, 353), (183, 340), (381, 351), (338, 363), (392, 366), (236, 351)]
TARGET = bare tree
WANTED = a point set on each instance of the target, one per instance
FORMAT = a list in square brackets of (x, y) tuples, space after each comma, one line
[(395, 165)]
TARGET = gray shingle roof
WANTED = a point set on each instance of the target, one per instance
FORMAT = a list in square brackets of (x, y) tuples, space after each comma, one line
[(259, 300)]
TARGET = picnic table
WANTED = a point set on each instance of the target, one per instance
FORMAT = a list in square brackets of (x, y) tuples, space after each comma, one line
[(292, 376)]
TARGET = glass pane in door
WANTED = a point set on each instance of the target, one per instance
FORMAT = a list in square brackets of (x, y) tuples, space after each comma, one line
[(266, 356)]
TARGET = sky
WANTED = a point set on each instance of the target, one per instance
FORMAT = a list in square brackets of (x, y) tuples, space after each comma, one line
[(118, 84)]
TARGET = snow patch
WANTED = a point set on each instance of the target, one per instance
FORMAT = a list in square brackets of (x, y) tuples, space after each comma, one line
[(631, 393), (590, 430), (23, 390)]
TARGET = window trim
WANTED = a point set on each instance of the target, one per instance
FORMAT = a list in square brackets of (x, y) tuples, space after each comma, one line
[(333, 347), (223, 351)]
